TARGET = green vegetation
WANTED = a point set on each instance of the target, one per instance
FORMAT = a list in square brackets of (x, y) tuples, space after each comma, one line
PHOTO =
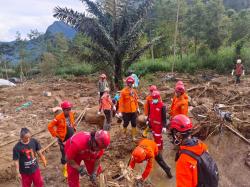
[(75, 69), (138, 35), (222, 62)]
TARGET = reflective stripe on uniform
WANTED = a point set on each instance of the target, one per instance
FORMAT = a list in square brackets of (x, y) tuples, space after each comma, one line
[(157, 122)]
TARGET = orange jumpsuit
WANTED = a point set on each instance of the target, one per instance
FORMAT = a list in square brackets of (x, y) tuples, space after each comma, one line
[(151, 152), (128, 102), (186, 166), (146, 104), (179, 105), (61, 127)]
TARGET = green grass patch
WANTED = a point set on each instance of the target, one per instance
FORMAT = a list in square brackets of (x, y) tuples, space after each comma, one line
[(222, 62), (75, 69)]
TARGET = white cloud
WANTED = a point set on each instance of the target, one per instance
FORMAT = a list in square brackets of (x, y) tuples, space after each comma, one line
[(24, 15)]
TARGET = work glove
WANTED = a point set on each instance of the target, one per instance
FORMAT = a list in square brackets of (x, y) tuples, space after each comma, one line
[(138, 110), (93, 178), (18, 177), (82, 171), (119, 115), (44, 161), (232, 72), (98, 113), (243, 73), (114, 108), (164, 130)]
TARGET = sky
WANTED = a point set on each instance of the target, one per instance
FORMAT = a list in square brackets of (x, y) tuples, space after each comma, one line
[(24, 15)]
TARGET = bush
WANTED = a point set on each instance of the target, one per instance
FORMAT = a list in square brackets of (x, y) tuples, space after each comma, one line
[(75, 69), (222, 62)]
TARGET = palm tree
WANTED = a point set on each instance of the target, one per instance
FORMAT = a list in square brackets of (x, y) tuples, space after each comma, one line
[(114, 26)]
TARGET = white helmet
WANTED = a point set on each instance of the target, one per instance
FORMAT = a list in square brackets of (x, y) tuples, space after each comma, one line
[(238, 61)]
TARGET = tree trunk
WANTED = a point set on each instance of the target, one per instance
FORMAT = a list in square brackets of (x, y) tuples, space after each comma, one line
[(118, 73)]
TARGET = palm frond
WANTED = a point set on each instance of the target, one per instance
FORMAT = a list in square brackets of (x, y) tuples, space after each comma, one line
[(127, 41), (96, 10), (69, 16), (140, 51), (92, 28)]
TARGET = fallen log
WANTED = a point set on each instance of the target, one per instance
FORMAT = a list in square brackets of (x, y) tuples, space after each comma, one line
[(102, 181), (237, 133), (48, 146), (194, 88)]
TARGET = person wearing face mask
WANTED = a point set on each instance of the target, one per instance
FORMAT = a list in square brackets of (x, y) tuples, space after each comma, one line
[(149, 99), (157, 118), (27, 168), (128, 106), (180, 101), (194, 166), (87, 147)]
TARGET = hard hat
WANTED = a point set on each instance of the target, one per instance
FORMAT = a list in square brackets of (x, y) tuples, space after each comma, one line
[(180, 88), (66, 105), (152, 88), (156, 94), (179, 83), (139, 154), (130, 80), (103, 76), (238, 61), (181, 123), (102, 138)]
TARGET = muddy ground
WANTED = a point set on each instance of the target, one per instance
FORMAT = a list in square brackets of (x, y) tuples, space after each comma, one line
[(229, 151)]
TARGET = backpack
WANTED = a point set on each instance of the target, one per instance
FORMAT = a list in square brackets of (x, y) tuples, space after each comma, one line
[(208, 174)]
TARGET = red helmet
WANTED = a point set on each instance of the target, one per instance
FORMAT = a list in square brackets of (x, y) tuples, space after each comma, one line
[(130, 80), (139, 154), (152, 88), (103, 76), (66, 105), (181, 123), (102, 138), (180, 88), (179, 83), (156, 94)]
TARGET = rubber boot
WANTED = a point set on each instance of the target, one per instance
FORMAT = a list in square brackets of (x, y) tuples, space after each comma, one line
[(65, 173), (133, 133), (163, 165), (145, 132)]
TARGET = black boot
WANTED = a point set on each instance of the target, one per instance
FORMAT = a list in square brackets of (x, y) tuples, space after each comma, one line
[(163, 165)]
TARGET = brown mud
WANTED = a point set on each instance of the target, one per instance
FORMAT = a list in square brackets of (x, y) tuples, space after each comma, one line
[(229, 151)]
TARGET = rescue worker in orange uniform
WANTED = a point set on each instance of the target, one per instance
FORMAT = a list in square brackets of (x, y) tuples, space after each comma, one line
[(157, 118), (147, 150), (106, 105), (180, 101), (186, 166), (146, 107), (128, 106), (87, 147), (63, 127)]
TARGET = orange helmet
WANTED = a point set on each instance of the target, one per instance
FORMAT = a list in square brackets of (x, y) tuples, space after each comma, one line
[(103, 76), (139, 154)]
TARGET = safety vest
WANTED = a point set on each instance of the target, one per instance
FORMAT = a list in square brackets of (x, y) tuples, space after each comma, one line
[(155, 113)]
